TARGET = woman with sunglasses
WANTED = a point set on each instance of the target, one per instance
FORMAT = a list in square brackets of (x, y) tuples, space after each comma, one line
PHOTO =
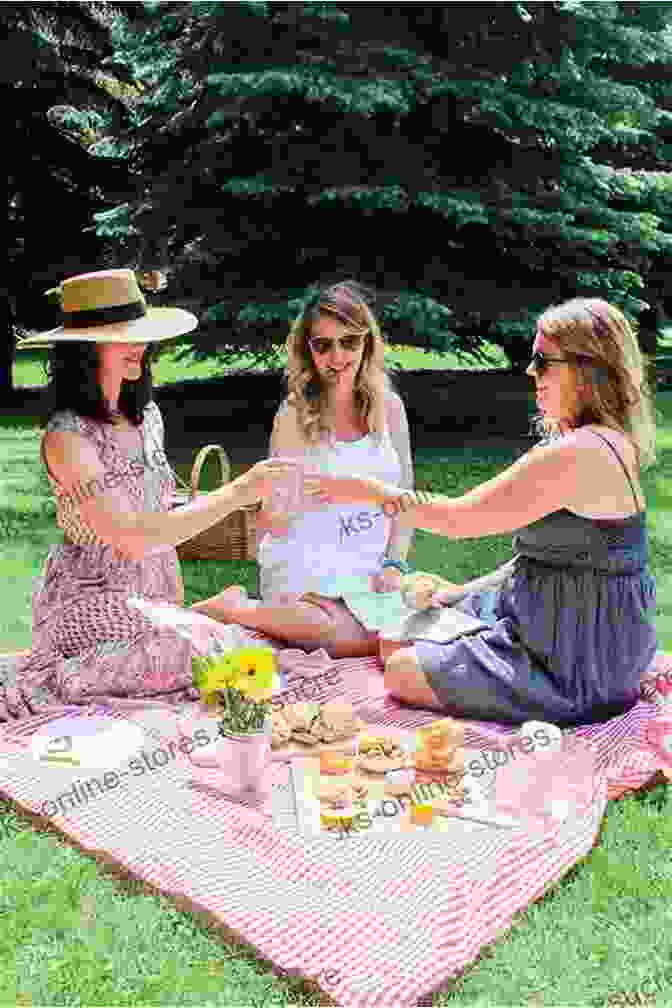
[(571, 622), (340, 416)]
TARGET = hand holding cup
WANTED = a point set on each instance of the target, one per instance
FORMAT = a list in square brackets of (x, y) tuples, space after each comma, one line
[(267, 477)]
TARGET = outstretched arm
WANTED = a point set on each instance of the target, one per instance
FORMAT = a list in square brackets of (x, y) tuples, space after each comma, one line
[(539, 483)]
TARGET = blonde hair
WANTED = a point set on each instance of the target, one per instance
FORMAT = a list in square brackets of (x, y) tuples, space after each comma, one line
[(347, 301), (611, 368)]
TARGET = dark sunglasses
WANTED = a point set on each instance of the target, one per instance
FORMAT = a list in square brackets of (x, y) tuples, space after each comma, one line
[(541, 362), (322, 345)]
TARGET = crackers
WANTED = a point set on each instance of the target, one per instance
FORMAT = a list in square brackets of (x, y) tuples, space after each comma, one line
[(312, 724)]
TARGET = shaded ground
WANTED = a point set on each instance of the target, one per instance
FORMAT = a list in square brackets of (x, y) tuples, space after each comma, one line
[(249, 445)]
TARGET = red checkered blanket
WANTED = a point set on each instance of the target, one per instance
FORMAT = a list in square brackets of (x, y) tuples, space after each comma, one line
[(384, 919)]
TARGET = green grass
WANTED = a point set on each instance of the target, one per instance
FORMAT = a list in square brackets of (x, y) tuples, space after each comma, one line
[(70, 935), (176, 363)]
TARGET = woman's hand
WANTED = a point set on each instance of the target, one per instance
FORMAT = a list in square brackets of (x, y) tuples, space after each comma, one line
[(260, 481), (388, 580), (344, 489), (428, 591)]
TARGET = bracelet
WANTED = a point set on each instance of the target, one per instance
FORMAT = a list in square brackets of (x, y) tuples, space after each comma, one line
[(400, 565)]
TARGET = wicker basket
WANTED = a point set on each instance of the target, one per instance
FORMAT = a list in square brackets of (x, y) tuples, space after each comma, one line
[(232, 538)]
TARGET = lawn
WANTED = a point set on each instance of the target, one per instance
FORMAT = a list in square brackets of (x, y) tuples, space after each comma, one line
[(71, 935), (177, 363)]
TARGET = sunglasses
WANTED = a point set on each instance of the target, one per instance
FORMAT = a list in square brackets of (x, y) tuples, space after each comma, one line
[(541, 362), (322, 345)]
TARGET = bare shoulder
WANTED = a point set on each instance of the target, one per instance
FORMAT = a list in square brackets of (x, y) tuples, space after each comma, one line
[(286, 415), (69, 455), (603, 486), (287, 436), (586, 437)]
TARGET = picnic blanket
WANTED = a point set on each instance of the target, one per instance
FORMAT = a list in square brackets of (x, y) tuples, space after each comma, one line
[(373, 921)]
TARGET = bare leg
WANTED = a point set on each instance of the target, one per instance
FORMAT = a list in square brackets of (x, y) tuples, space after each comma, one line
[(303, 624), (406, 681)]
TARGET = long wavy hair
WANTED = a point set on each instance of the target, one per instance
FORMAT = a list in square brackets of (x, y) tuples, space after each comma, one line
[(612, 369), (351, 303), (74, 384)]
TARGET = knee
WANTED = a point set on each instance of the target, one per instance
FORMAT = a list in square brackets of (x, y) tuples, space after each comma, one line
[(400, 668)]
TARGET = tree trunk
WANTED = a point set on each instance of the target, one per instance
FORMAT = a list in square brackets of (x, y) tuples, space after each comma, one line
[(7, 347)]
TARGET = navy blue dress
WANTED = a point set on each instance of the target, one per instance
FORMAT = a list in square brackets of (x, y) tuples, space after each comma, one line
[(571, 626)]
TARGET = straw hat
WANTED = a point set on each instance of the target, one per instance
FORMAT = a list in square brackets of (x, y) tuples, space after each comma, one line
[(109, 307)]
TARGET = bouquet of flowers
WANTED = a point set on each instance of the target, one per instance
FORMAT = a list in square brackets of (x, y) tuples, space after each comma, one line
[(240, 684), (230, 673)]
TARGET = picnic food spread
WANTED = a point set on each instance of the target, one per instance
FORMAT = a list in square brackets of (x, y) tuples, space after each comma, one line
[(376, 764)]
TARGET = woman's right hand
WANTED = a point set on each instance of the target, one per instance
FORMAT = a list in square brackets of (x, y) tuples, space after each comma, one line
[(259, 482)]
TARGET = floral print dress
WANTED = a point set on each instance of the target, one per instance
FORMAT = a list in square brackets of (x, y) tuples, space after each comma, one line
[(86, 641)]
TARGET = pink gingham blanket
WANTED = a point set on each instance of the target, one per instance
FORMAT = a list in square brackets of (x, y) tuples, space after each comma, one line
[(384, 919)]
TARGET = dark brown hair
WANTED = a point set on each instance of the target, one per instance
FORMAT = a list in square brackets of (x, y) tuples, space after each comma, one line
[(73, 373)]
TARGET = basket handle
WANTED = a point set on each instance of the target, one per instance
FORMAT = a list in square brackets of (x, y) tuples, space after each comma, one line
[(224, 465)]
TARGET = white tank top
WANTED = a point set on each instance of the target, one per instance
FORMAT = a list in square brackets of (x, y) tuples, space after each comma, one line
[(334, 540)]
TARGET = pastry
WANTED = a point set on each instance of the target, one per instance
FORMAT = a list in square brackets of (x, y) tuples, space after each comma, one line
[(380, 745), (280, 730), (441, 760), (335, 721), (305, 737), (368, 743), (360, 790), (300, 716), (336, 794), (311, 723), (444, 733), (381, 764)]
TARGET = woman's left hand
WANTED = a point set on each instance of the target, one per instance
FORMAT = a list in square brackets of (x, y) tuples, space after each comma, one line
[(343, 489)]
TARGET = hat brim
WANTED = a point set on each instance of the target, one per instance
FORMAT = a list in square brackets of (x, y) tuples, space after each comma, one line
[(157, 325)]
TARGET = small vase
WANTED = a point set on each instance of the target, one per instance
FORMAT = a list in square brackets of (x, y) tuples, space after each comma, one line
[(243, 759)]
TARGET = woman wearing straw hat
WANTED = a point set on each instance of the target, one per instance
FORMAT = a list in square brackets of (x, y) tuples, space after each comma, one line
[(103, 450)]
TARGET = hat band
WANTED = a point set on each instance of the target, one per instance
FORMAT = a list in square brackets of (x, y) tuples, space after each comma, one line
[(103, 316)]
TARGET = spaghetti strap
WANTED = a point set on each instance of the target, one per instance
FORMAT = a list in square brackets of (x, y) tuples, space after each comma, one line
[(625, 470)]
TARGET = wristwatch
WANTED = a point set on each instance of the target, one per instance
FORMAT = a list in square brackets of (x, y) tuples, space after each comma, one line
[(400, 565)]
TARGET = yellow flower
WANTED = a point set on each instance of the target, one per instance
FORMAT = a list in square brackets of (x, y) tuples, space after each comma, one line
[(256, 669), (213, 674)]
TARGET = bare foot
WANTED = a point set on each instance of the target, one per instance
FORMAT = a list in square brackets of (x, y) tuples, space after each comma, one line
[(235, 596)]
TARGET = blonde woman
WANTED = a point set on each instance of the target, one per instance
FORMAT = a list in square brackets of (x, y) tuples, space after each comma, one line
[(571, 622), (341, 415)]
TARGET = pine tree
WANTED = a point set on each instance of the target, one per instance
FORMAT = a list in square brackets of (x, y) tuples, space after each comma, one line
[(62, 101), (474, 162)]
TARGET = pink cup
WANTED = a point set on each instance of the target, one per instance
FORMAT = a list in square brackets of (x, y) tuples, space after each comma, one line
[(287, 500)]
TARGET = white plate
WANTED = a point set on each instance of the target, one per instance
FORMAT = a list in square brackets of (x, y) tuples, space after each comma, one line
[(95, 742)]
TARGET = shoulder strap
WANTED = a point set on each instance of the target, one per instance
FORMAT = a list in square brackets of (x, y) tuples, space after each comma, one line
[(625, 470)]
